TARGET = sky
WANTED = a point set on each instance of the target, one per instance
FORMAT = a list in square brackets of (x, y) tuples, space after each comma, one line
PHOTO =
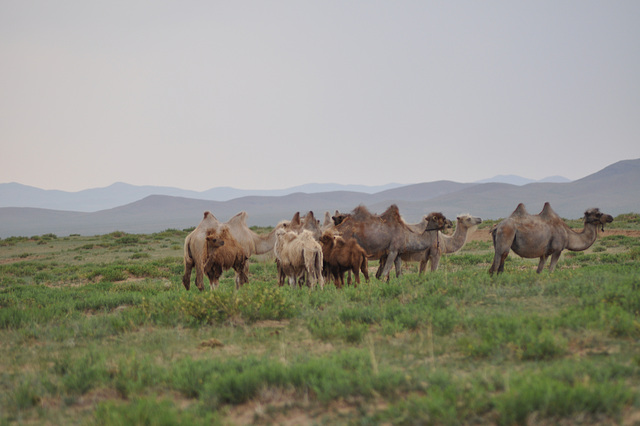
[(274, 94)]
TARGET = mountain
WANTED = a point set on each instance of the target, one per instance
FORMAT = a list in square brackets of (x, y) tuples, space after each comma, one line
[(519, 180), (615, 189), (96, 199)]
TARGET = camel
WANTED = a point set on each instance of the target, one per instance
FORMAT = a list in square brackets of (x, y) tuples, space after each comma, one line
[(194, 243), (297, 225), (442, 243), (299, 254), (543, 235), (342, 255), (223, 252), (388, 234)]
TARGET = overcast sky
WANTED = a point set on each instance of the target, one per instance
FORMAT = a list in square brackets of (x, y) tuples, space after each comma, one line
[(273, 94)]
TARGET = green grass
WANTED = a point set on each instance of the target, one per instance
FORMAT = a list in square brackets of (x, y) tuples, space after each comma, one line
[(99, 330)]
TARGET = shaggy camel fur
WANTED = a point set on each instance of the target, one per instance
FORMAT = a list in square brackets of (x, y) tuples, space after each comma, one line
[(444, 244), (340, 256), (194, 243), (223, 252), (388, 234), (297, 225), (542, 235), (298, 254)]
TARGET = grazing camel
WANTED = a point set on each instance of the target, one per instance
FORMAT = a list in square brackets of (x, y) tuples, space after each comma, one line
[(542, 235), (223, 252), (298, 254), (342, 255), (388, 234), (442, 243), (194, 243)]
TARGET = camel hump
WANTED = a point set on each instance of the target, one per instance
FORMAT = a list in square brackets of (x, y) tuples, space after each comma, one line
[(208, 214), (239, 218), (392, 214), (361, 213), (296, 218), (520, 211), (547, 211)]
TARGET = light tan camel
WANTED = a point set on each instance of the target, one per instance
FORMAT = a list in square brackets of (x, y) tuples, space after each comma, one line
[(195, 243), (388, 234), (298, 254), (542, 235), (441, 243)]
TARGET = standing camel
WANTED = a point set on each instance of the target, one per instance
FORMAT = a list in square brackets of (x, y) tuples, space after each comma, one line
[(542, 235), (388, 234), (442, 243), (195, 244)]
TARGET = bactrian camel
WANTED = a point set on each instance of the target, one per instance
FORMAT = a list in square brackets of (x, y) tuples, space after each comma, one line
[(388, 234), (299, 254), (442, 243), (542, 235), (195, 244), (223, 252)]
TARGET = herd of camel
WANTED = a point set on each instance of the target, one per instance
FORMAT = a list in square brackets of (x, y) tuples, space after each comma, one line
[(308, 251)]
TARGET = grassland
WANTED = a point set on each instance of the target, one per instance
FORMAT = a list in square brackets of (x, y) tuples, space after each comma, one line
[(99, 330)]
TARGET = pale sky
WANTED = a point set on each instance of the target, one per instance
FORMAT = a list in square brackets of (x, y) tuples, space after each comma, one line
[(273, 94)]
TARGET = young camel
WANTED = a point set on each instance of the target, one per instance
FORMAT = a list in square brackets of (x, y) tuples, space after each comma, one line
[(223, 252), (340, 256), (543, 235), (298, 254)]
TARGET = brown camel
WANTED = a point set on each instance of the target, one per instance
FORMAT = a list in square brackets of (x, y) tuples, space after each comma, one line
[(542, 235), (388, 234), (340, 256), (223, 252), (442, 243), (195, 243)]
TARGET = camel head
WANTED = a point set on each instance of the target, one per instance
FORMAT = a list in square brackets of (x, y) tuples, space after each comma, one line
[(213, 242), (596, 217), (328, 238), (437, 221), (468, 221), (338, 218)]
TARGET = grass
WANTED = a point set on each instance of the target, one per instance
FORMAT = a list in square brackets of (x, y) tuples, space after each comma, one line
[(99, 330)]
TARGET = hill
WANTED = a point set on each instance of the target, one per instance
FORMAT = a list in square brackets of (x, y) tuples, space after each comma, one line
[(614, 189)]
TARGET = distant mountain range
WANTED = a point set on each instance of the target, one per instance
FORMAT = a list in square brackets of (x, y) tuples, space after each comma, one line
[(615, 189), (96, 199)]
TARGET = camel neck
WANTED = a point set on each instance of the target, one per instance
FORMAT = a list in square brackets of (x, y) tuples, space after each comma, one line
[(579, 241)]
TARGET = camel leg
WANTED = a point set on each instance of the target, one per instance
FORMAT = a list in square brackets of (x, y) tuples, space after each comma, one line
[(391, 259), (356, 274), (186, 278), (199, 277), (435, 261), (214, 277), (423, 266), (383, 260), (543, 259), (364, 269), (398, 265), (554, 260)]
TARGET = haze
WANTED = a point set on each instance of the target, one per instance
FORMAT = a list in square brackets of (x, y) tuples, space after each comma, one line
[(266, 95)]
